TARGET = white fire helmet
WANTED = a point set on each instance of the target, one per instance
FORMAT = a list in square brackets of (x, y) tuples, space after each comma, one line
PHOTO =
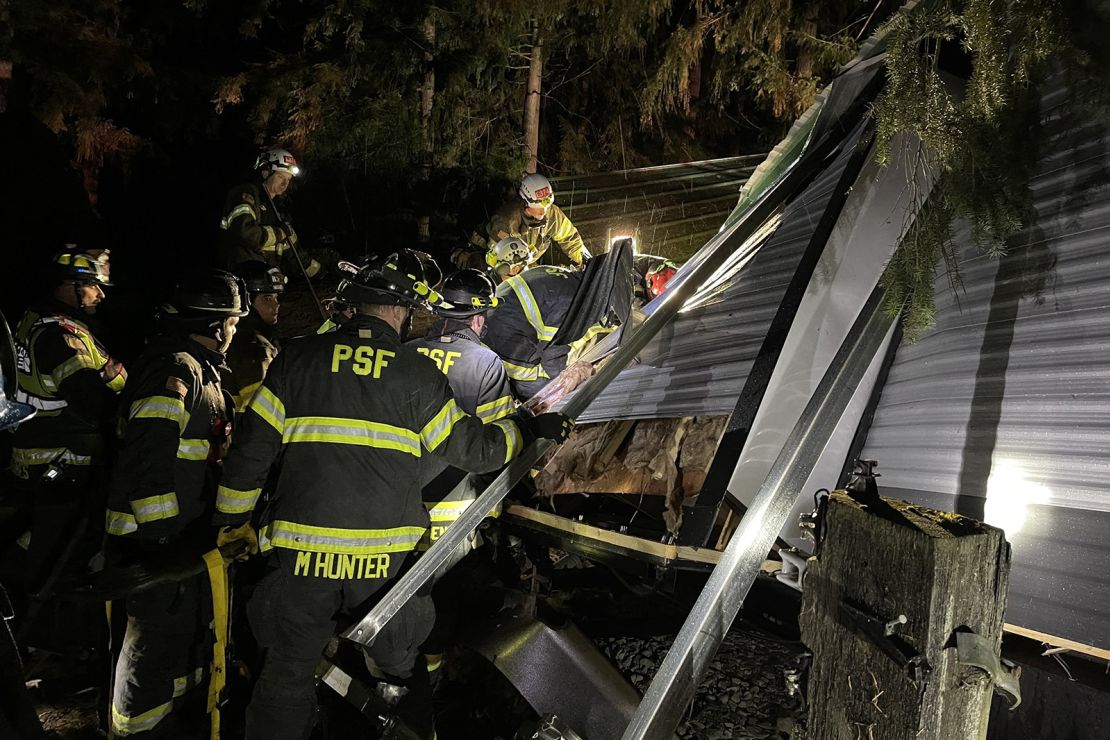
[(278, 160), (535, 190)]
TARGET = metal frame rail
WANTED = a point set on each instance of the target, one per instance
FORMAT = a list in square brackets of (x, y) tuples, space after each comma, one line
[(790, 184), (720, 600)]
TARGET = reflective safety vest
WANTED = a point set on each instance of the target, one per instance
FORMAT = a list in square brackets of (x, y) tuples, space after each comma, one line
[(69, 377), (176, 423), (353, 414), (481, 388)]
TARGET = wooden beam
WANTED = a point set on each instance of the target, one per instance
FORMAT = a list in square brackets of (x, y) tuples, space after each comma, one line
[(1061, 642)]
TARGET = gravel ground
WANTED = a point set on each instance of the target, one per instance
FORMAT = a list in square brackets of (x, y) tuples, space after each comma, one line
[(744, 695)]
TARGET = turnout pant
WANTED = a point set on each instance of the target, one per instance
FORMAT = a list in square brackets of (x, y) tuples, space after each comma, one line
[(295, 612), (159, 685)]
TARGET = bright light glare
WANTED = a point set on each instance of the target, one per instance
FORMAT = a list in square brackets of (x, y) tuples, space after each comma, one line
[(1009, 495)]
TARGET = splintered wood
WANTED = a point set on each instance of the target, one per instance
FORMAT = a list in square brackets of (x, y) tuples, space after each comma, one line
[(884, 591), (657, 457)]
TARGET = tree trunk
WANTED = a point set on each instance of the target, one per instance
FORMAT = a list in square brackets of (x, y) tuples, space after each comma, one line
[(946, 574), (427, 97), (532, 99)]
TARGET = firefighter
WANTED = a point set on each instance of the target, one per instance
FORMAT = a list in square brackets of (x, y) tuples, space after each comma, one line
[(653, 274), (533, 305), (477, 379), (353, 415), (533, 217), (175, 427), (255, 228), (256, 342), (69, 377), (481, 388)]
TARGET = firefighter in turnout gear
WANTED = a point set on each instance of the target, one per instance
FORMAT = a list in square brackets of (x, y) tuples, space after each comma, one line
[(477, 379), (481, 388), (533, 217), (176, 422), (255, 228), (256, 342), (69, 378), (352, 414)]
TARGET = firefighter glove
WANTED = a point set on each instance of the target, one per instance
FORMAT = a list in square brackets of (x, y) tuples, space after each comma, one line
[(244, 532), (553, 425)]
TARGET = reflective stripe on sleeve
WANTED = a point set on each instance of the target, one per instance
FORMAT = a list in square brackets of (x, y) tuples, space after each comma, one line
[(308, 538), (240, 210), (270, 408), (193, 449), (514, 441), (524, 372), (439, 428), (120, 523), (233, 501), (270, 245), (531, 308), (153, 508), (337, 430), (160, 407), (80, 361), (495, 410)]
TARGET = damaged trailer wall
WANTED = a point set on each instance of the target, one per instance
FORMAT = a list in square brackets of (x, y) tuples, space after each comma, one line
[(1002, 411)]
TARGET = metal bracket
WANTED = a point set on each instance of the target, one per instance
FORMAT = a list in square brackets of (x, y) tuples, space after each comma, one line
[(978, 652), (881, 632)]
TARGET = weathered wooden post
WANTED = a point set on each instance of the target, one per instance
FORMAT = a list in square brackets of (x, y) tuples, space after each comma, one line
[(883, 603)]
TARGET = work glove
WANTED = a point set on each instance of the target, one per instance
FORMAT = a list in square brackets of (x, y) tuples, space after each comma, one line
[(244, 531), (553, 425)]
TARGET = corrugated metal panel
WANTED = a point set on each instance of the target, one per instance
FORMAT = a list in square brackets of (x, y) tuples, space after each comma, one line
[(1004, 408), (698, 363), (674, 208)]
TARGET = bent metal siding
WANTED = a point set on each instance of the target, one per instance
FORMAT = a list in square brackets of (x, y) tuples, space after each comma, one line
[(1002, 411)]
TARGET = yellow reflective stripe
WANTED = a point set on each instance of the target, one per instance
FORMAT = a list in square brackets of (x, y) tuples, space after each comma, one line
[(337, 430), (269, 245), (544, 332), (439, 428), (44, 456), (120, 522), (495, 410), (124, 725), (327, 326), (246, 393), (234, 501), (80, 361), (524, 372), (446, 512), (193, 449), (514, 441), (160, 407), (153, 508), (313, 268), (240, 210), (184, 683), (270, 408), (308, 538), (117, 383)]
